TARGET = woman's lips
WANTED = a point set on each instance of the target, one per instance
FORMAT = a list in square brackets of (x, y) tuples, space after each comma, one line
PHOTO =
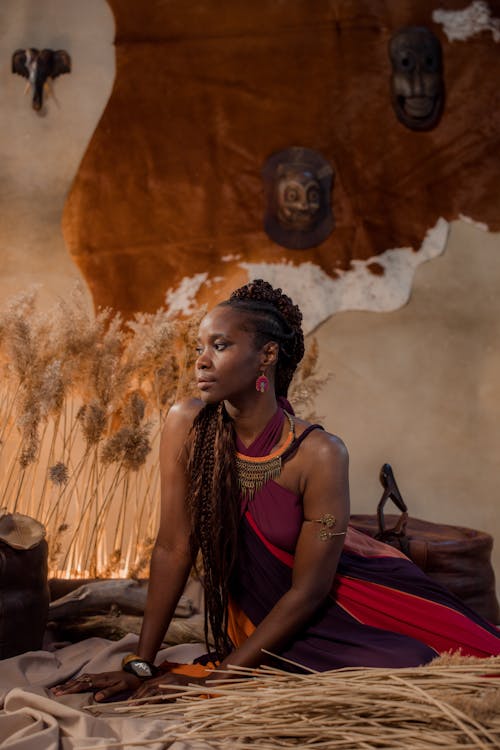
[(204, 384)]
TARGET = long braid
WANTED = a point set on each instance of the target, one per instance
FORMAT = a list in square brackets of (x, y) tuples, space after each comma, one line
[(214, 510), (213, 495)]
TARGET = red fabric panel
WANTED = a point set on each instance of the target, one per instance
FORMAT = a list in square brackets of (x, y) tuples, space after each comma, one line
[(438, 626)]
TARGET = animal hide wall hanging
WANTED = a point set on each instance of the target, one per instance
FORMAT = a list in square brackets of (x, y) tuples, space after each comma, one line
[(169, 196)]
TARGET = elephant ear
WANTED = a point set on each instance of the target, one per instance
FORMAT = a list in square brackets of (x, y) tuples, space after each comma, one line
[(61, 63), (19, 63)]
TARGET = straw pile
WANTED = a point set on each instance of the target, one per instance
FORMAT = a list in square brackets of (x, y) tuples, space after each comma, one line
[(452, 703)]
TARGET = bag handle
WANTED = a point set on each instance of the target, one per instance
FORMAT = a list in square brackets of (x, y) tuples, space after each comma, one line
[(391, 490)]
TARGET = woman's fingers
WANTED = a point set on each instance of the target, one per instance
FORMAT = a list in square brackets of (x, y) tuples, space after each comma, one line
[(82, 684), (114, 684), (108, 692), (145, 690), (150, 688), (108, 682)]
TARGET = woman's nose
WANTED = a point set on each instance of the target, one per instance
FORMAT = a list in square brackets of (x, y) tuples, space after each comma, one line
[(203, 361)]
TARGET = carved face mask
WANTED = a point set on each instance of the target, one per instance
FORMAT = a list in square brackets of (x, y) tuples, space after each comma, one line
[(298, 184), (298, 199), (417, 85)]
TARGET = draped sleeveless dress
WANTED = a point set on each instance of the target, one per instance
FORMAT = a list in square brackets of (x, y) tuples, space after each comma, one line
[(382, 610)]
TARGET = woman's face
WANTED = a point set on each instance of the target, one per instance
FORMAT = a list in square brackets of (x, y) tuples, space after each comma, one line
[(228, 362)]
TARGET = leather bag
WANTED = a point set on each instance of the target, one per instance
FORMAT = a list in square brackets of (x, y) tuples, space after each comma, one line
[(456, 557)]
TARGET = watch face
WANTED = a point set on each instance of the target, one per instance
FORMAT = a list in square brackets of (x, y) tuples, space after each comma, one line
[(141, 668)]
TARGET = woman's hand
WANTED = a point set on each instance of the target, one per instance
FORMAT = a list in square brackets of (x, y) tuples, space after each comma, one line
[(151, 688), (109, 684), (104, 685)]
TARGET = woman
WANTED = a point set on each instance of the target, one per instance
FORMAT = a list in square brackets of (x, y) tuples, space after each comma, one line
[(264, 496)]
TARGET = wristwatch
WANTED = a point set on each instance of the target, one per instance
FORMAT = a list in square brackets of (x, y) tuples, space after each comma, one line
[(140, 667)]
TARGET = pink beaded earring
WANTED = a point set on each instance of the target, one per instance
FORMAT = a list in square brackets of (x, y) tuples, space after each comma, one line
[(262, 384)]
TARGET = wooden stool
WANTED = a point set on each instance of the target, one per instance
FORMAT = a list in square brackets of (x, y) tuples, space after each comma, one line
[(24, 591)]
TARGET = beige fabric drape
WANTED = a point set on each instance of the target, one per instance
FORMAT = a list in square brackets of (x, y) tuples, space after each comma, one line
[(32, 719)]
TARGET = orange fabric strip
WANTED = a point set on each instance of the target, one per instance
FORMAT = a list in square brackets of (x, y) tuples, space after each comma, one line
[(240, 627), (189, 670)]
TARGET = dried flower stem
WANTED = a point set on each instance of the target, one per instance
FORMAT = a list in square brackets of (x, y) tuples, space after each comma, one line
[(50, 461), (32, 506), (7, 420), (19, 488), (99, 527)]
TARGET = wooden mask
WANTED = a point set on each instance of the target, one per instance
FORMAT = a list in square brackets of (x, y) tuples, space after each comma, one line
[(298, 183), (417, 86)]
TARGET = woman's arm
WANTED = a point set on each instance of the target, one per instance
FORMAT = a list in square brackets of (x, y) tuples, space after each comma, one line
[(170, 562), (171, 558), (325, 485)]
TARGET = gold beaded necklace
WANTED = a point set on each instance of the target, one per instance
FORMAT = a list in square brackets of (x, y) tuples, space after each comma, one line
[(254, 472)]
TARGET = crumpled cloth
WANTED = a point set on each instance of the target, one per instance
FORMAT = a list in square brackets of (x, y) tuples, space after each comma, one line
[(33, 719)]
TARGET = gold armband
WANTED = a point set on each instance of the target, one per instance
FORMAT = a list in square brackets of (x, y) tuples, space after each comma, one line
[(328, 522)]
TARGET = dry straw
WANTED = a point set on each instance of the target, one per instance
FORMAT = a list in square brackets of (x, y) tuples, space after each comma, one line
[(83, 399), (82, 403), (452, 703)]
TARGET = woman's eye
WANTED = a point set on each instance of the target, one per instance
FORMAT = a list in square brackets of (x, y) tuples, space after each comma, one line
[(219, 346), (199, 351)]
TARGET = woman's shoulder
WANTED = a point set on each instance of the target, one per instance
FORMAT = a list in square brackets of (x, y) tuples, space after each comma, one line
[(319, 444), (181, 416), (185, 409)]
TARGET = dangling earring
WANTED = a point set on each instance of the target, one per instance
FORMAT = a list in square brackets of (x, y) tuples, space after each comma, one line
[(262, 383)]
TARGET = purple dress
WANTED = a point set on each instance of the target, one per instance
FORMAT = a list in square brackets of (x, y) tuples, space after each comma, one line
[(383, 611)]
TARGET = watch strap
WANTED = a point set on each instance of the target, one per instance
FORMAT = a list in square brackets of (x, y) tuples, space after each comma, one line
[(138, 666)]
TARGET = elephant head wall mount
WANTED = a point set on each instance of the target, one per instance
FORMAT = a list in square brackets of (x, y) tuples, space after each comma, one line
[(38, 66)]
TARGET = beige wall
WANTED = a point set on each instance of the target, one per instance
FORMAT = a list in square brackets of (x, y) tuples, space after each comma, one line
[(40, 154), (420, 389)]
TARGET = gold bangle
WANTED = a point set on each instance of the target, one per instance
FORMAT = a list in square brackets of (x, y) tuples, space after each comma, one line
[(130, 657)]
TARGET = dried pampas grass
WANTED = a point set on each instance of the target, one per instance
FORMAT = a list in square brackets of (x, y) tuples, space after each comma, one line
[(452, 703), (307, 383), (82, 404), (83, 399)]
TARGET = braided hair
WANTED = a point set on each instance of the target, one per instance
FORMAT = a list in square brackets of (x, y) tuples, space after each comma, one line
[(213, 496)]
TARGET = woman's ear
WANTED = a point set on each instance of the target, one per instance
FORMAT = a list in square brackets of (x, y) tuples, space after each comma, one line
[(269, 354)]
